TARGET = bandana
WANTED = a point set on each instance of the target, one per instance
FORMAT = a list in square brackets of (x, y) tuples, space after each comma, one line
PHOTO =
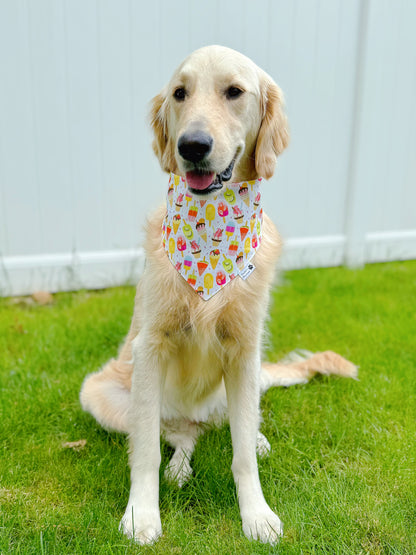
[(211, 242)]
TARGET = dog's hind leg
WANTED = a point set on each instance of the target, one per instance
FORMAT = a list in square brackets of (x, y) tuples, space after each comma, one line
[(262, 445), (300, 366), (182, 435), (106, 394), (106, 398)]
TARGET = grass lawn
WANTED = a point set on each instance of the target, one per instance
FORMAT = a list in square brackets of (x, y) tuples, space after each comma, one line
[(342, 471)]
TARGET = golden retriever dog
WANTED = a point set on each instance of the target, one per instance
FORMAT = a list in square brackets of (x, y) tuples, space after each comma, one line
[(188, 361)]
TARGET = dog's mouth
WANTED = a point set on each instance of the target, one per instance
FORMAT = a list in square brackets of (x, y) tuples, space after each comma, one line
[(203, 182)]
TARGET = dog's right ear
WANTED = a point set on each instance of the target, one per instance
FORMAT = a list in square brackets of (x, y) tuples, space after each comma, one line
[(273, 135), (162, 144)]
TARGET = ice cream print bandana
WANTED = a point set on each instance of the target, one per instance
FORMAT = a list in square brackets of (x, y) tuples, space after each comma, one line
[(210, 242)]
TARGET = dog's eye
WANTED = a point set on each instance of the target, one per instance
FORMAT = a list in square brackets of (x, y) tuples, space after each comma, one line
[(179, 94), (233, 92)]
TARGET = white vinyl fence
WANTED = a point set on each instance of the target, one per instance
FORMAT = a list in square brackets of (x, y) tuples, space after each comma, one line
[(77, 174)]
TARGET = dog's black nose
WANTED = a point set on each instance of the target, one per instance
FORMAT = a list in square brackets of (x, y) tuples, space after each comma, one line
[(194, 146)]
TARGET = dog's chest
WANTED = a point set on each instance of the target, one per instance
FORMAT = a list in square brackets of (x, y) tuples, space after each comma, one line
[(194, 372), (196, 355)]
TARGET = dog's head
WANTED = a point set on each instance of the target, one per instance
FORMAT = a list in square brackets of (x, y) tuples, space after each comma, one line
[(220, 118)]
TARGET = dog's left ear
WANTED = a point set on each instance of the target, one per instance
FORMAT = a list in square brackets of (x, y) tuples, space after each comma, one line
[(162, 145), (273, 136)]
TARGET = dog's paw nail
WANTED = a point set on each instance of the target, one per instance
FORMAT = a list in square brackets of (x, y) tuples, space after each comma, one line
[(265, 528), (263, 446), (178, 472), (141, 530)]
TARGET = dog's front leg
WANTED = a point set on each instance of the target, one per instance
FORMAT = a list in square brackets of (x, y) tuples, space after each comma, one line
[(141, 521), (243, 397)]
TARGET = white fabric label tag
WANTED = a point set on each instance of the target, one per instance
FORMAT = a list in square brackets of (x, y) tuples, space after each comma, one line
[(245, 272)]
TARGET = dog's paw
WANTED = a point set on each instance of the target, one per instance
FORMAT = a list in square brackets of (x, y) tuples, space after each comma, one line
[(178, 471), (144, 528), (263, 526), (263, 446)]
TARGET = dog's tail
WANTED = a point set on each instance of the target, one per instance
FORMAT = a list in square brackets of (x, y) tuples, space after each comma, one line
[(106, 395), (300, 366)]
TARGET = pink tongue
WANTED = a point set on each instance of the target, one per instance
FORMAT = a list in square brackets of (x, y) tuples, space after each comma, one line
[(199, 181)]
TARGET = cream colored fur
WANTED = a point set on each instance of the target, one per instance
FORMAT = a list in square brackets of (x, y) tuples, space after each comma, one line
[(187, 362)]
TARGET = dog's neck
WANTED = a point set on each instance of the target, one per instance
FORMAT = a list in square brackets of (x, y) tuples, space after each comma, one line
[(211, 242)]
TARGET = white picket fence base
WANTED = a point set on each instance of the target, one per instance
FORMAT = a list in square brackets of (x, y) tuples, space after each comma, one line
[(22, 275)]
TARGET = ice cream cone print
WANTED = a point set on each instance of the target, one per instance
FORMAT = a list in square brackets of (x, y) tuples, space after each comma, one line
[(252, 222), (203, 236), (244, 195), (176, 223), (240, 261), (216, 240), (200, 291), (170, 195), (208, 282), (238, 215), (202, 203), (210, 213), (214, 256), (200, 227), (179, 202), (196, 249)]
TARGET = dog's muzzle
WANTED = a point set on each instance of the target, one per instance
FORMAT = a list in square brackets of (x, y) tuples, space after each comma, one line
[(194, 147)]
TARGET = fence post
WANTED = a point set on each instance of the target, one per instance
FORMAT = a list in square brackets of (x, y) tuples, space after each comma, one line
[(357, 204)]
